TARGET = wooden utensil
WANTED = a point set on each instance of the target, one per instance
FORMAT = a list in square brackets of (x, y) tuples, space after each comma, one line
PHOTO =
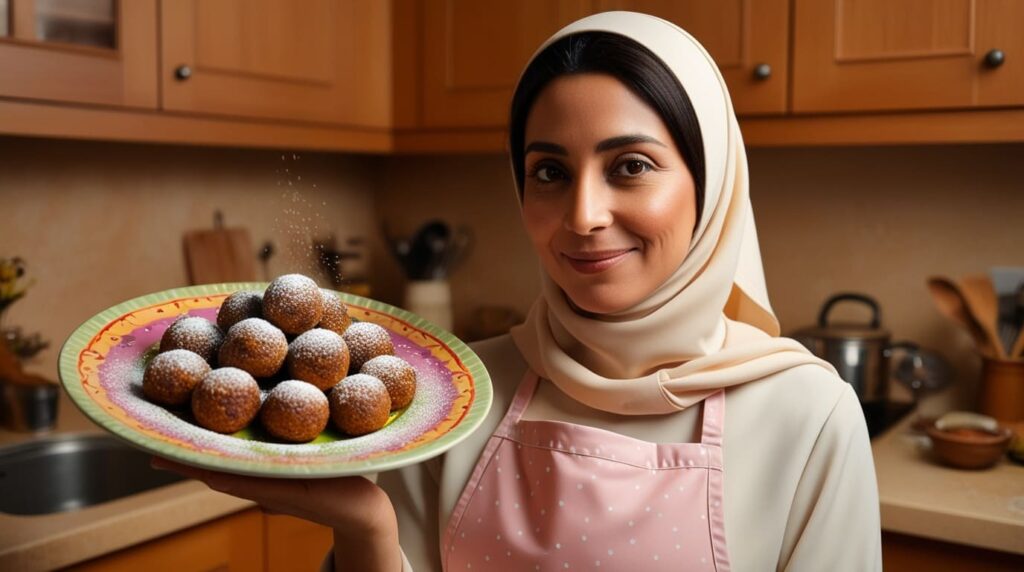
[(219, 254), (951, 302), (983, 304)]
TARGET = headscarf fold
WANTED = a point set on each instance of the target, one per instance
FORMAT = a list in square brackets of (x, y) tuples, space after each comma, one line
[(709, 325)]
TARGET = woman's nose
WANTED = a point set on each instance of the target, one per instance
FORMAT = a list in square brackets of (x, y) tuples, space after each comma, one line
[(590, 206)]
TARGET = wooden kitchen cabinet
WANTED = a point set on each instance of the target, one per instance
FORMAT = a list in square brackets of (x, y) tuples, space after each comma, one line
[(741, 36), (232, 543), (436, 76), (295, 544), (316, 60), (245, 542), (866, 55), (88, 51), (473, 53)]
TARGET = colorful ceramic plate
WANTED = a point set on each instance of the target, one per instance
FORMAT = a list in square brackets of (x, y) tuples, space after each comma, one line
[(102, 363)]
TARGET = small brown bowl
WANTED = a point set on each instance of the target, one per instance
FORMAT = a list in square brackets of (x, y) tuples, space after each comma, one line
[(966, 448)]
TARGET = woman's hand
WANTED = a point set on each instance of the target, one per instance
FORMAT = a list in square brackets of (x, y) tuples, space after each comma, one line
[(359, 511)]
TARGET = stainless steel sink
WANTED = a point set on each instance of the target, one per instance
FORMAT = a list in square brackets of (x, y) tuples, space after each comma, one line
[(66, 473)]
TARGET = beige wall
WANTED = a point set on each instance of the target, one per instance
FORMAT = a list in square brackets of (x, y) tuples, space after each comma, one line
[(101, 223), (874, 220)]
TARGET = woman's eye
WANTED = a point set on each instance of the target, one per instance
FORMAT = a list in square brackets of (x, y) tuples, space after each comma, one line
[(549, 174), (632, 168)]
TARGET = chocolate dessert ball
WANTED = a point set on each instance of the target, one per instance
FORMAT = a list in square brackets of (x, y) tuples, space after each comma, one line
[(398, 376), (195, 334), (365, 342), (335, 313), (171, 376), (359, 404), (226, 400), (295, 411), (239, 306), (255, 346), (319, 357), (293, 303)]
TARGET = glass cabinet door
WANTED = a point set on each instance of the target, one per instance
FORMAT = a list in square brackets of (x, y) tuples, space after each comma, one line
[(5, 16), (101, 52), (82, 22)]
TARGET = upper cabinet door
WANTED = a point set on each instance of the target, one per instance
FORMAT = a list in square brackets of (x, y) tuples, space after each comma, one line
[(315, 60), (748, 40), (81, 51), (857, 55), (474, 51)]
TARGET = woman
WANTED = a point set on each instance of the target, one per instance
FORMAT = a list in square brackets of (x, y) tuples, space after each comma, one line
[(608, 445)]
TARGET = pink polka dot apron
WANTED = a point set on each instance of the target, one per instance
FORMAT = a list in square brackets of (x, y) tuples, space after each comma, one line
[(552, 495)]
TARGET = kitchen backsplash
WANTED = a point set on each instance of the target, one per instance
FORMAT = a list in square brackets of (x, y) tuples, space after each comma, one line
[(105, 221)]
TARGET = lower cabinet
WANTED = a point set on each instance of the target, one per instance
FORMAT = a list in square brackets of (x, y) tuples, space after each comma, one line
[(245, 541), (903, 553)]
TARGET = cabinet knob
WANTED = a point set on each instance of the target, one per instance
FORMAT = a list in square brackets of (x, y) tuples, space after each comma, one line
[(762, 71), (183, 72), (994, 58)]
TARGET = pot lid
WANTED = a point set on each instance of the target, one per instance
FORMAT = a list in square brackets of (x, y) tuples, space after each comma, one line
[(845, 331), (869, 331)]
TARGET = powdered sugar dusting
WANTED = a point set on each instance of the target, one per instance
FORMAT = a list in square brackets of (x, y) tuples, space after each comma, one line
[(229, 380), (293, 303), (318, 343), (366, 341), (256, 346), (256, 327), (335, 316), (362, 388), (180, 361), (392, 367), (121, 373), (195, 334), (299, 393), (239, 306)]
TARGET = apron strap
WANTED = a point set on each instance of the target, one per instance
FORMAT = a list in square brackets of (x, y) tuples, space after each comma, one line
[(524, 393), (714, 419)]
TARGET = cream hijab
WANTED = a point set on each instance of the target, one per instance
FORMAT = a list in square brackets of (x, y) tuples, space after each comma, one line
[(709, 325)]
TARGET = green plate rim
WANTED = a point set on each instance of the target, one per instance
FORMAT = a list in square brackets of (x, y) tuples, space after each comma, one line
[(79, 339)]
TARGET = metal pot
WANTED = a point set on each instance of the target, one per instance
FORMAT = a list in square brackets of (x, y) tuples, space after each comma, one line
[(859, 352)]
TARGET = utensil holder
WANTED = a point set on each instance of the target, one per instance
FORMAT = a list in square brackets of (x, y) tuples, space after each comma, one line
[(431, 300), (1001, 393)]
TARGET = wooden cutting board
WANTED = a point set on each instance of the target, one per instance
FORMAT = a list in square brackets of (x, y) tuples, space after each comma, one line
[(219, 255)]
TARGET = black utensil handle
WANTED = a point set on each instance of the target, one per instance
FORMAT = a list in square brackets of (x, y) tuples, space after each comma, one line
[(876, 313)]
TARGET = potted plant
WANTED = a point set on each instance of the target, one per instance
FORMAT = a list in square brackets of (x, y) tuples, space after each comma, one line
[(27, 402)]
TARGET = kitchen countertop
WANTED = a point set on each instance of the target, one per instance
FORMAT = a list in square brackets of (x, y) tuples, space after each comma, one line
[(45, 542), (922, 498), (918, 498)]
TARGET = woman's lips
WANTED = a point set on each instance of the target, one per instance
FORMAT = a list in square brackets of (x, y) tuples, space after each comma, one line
[(595, 261)]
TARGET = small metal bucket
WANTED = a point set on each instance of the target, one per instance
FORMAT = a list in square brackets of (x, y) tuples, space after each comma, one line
[(31, 408)]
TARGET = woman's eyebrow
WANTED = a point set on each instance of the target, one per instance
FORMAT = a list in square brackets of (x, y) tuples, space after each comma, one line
[(545, 147), (623, 140)]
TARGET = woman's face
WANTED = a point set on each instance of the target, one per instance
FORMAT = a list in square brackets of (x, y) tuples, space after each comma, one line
[(608, 201)]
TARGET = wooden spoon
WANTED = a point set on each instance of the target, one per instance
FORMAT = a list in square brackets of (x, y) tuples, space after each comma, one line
[(951, 302), (983, 303)]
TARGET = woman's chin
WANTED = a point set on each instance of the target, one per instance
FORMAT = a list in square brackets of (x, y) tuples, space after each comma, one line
[(599, 300)]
